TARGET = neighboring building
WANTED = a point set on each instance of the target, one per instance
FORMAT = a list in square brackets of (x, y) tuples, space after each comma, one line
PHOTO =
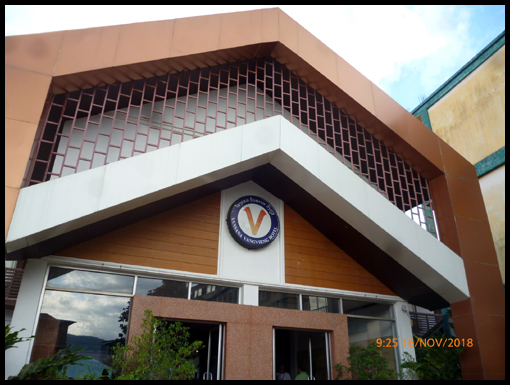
[(309, 220), (468, 113)]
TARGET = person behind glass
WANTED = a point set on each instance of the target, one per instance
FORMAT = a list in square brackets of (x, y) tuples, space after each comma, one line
[(282, 374), (302, 374)]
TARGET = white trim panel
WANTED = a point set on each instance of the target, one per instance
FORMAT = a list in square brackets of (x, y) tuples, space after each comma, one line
[(26, 314)]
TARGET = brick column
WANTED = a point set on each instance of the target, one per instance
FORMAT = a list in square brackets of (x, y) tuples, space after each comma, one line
[(464, 228)]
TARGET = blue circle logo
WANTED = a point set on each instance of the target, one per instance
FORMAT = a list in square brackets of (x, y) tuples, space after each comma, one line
[(253, 222)]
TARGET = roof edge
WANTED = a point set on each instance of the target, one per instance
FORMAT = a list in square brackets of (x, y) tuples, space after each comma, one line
[(233, 36)]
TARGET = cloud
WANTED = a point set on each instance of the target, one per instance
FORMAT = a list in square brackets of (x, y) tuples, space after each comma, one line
[(449, 26), (87, 280), (381, 41), (94, 315), (425, 44), (26, 19)]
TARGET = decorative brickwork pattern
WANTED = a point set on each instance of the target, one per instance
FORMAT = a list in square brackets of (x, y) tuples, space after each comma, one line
[(93, 127)]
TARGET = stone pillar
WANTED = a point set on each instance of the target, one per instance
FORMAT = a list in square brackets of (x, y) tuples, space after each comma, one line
[(464, 228)]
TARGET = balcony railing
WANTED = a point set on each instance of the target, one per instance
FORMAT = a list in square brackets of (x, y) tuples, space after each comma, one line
[(12, 284), (423, 322)]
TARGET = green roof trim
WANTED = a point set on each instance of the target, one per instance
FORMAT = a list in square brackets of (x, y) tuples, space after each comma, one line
[(492, 162), (474, 63), (425, 119)]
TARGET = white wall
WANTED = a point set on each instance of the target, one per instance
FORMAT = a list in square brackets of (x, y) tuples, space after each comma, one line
[(403, 328), (25, 314), (264, 265)]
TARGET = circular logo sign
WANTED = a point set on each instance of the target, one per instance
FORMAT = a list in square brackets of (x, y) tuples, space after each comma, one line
[(253, 222)]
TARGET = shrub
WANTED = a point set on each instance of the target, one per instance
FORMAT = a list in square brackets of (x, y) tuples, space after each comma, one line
[(365, 364), (12, 338), (160, 353), (53, 368), (435, 362)]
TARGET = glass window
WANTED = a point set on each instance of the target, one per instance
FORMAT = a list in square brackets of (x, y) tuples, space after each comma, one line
[(215, 293), (364, 308), (91, 321), (280, 300), (322, 304), (59, 278), (363, 332), (162, 288)]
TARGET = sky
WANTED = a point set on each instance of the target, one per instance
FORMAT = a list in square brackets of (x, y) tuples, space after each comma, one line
[(408, 51)]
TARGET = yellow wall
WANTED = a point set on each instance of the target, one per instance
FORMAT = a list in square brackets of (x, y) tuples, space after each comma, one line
[(493, 191), (471, 117)]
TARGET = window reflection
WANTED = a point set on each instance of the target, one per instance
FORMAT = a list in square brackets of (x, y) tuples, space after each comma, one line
[(162, 288), (364, 308), (59, 278), (322, 304), (363, 332), (91, 321), (215, 293), (280, 300)]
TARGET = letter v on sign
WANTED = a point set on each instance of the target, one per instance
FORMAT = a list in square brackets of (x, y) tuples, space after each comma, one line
[(254, 227)]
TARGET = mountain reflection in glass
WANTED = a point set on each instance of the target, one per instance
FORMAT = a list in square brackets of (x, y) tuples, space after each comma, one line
[(91, 321)]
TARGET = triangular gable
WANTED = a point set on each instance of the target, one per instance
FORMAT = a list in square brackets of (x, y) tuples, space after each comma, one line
[(311, 259), (186, 239)]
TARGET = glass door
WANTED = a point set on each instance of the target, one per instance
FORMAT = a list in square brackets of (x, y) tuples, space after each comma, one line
[(301, 354), (213, 370), (208, 361), (318, 353)]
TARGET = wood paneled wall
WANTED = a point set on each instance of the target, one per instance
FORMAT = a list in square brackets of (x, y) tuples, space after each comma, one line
[(312, 259), (185, 238)]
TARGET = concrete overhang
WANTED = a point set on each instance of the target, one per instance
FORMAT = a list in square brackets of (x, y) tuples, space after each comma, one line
[(274, 153)]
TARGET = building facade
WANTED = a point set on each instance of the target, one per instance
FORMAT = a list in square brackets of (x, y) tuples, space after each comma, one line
[(468, 113), (236, 175)]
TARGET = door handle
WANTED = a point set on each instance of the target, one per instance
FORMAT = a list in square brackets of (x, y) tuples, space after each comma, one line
[(207, 376)]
